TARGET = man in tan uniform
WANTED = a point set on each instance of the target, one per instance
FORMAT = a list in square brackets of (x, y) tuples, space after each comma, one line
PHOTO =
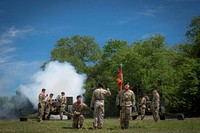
[(97, 103), (41, 105), (63, 102), (125, 101), (155, 105), (48, 106), (78, 109), (143, 106)]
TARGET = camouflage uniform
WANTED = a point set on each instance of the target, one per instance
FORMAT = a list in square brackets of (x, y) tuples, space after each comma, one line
[(48, 107), (97, 103), (77, 111), (126, 100), (143, 107), (41, 106), (155, 106), (63, 103)]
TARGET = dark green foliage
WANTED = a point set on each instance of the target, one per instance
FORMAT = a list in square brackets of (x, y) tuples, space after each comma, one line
[(78, 50), (193, 36)]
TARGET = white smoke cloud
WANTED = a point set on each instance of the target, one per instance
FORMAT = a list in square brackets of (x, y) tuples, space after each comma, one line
[(57, 77)]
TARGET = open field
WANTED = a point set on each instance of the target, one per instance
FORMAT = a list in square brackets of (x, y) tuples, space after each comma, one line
[(110, 126)]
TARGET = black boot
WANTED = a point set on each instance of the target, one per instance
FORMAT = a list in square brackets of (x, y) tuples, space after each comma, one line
[(81, 125)]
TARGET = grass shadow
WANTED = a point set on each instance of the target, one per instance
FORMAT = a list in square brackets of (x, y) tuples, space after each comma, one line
[(89, 128), (68, 128)]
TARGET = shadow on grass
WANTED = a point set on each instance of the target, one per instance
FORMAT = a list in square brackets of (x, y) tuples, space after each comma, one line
[(67, 128), (90, 128)]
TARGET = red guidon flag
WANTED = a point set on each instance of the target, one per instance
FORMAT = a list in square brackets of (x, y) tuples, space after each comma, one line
[(119, 78)]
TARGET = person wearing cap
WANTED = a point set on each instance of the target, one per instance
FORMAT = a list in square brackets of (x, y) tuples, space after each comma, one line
[(97, 104), (155, 105), (143, 106), (48, 106), (125, 101), (78, 110), (63, 102), (41, 105)]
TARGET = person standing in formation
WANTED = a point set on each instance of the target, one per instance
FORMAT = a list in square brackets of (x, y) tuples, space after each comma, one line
[(97, 104), (125, 101), (63, 102), (41, 105), (143, 106), (48, 106), (155, 105)]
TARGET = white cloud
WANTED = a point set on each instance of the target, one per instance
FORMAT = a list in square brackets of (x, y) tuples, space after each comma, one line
[(4, 59), (13, 33), (4, 41), (154, 10), (7, 40), (148, 12)]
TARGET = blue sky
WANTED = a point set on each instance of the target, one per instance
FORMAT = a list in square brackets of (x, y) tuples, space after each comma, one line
[(29, 29)]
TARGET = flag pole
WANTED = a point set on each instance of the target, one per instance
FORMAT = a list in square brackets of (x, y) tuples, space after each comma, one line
[(119, 80), (120, 96)]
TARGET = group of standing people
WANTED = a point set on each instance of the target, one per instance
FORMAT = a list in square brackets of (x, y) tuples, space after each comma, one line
[(155, 105), (125, 102), (45, 105), (96, 105)]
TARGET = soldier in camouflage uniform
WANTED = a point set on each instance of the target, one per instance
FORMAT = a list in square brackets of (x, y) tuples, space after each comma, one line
[(155, 105), (143, 106), (41, 105), (125, 101), (63, 102), (97, 104), (78, 109), (48, 106)]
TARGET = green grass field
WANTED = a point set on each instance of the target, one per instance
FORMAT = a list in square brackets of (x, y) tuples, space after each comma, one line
[(110, 126)]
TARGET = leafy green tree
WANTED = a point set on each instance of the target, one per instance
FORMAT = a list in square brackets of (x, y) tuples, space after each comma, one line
[(193, 36), (80, 51)]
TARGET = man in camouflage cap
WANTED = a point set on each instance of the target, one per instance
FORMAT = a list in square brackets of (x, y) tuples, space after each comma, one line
[(125, 101), (63, 102), (41, 105), (48, 106), (155, 105), (78, 109), (143, 106), (97, 104)]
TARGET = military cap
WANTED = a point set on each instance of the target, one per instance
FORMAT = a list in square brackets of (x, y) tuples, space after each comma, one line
[(78, 96), (100, 85), (43, 89), (126, 83), (144, 94)]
